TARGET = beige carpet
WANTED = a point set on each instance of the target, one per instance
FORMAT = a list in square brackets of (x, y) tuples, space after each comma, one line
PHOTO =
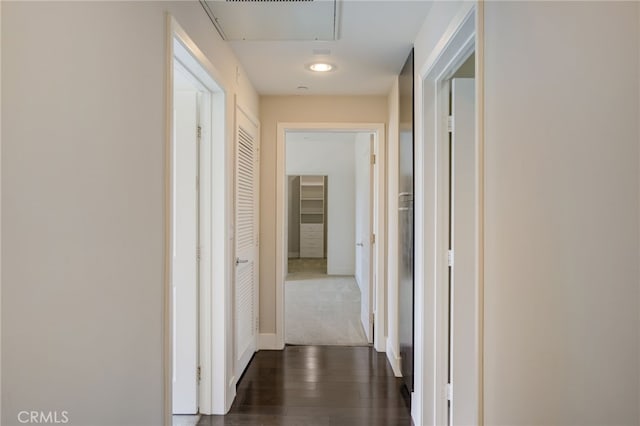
[(301, 264), (323, 310)]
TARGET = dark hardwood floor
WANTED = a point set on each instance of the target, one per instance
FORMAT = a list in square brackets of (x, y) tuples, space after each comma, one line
[(318, 386)]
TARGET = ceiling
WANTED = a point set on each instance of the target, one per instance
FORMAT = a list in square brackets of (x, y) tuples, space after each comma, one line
[(374, 38)]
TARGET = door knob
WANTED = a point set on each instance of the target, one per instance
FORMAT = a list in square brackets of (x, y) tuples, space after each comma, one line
[(239, 261)]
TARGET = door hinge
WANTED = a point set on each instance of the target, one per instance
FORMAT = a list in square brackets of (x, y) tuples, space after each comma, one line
[(198, 253), (449, 392), (199, 131), (199, 374), (372, 318), (373, 238), (450, 257), (373, 159), (450, 124)]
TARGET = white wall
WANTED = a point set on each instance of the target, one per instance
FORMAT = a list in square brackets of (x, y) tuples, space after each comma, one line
[(561, 230), (83, 181), (1, 275), (333, 157), (434, 27)]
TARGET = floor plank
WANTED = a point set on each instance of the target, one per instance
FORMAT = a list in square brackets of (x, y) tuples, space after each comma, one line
[(318, 386)]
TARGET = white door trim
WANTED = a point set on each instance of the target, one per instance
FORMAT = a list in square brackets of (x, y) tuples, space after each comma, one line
[(217, 389), (281, 256), (464, 35)]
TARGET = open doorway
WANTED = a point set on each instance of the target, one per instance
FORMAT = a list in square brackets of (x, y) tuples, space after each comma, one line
[(196, 261), (371, 314), (323, 298), (449, 229), (331, 183)]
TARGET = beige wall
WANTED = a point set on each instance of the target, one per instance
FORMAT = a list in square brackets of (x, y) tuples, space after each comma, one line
[(562, 215), (83, 154), (291, 109)]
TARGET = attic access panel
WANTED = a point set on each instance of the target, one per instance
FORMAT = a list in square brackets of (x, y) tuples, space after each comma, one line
[(274, 20)]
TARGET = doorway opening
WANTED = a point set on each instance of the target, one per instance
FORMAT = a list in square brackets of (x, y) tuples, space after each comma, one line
[(354, 247), (329, 305), (449, 228), (196, 261)]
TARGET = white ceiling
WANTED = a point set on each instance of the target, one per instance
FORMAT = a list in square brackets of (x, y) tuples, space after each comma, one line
[(374, 39)]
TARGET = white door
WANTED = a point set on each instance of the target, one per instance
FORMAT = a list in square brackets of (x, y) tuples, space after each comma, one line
[(246, 237), (184, 277), (363, 230), (463, 239)]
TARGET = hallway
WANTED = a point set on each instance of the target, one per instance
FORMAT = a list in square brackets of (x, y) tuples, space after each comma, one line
[(313, 385)]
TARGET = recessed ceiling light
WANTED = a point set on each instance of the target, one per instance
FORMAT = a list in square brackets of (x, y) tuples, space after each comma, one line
[(320, 67), (303, 87)]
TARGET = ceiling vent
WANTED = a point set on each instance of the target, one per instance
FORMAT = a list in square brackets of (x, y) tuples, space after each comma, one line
[(274, 20)]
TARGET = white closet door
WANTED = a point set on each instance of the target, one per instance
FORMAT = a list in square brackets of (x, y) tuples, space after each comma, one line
[(463, 352), (364, 232), (246, 238), (185, 265)]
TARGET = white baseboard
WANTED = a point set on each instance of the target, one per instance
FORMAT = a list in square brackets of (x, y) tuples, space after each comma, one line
[(268, 341), (231, 396), (394, 360), (416, 414)]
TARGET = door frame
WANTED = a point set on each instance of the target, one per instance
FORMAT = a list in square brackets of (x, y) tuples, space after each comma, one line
[(277, 341), (217, 387), (374, 200), (464, 35)]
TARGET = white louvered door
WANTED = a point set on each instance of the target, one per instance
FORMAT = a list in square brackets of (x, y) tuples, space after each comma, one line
[(246, 238)]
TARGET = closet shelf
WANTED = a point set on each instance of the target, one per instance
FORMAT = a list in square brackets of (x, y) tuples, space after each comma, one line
[(312, 206)]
